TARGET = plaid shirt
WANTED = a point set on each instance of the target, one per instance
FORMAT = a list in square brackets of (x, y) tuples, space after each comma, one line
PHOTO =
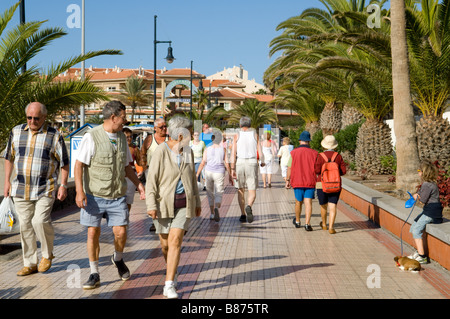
[(37, 159)]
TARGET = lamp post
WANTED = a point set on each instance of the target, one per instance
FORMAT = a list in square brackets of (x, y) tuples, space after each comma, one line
[(82, 109), (169, 58), (190, 112), (22, 21)]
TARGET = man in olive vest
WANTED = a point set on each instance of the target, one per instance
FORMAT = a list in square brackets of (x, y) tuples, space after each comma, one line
[(100, 169)]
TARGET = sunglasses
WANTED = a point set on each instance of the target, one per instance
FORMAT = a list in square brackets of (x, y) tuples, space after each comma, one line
[(29, 118)]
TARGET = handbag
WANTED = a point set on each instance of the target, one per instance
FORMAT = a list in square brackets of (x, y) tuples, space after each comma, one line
[(9, 220), (180, 201)]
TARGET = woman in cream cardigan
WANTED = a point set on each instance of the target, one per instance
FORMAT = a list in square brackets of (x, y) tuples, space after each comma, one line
[(172, 195)]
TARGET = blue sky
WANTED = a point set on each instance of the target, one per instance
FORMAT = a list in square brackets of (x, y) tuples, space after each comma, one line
[(214, 34)]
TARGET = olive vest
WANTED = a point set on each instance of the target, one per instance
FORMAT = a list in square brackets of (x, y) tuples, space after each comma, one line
[(105, 176)]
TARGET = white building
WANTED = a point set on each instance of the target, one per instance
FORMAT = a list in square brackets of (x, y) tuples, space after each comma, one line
[(238, 75)]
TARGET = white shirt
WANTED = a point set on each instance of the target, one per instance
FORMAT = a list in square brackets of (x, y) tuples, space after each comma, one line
[(87, 148), (246, 145), (285, 152)]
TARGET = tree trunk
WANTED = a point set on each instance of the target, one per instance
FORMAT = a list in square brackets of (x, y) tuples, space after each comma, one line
[(404, 122)]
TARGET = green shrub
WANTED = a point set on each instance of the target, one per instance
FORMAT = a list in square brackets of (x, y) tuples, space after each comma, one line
[(389, 162), (346, 138), (315, 141)]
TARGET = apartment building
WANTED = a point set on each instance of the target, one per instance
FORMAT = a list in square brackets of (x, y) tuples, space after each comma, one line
[(172, 91)]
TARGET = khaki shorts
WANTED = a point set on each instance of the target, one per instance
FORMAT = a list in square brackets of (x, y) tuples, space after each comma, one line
[(247, 173), (163, 225)]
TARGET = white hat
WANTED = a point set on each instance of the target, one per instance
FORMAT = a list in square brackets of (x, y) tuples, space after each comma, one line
[(329, 142)]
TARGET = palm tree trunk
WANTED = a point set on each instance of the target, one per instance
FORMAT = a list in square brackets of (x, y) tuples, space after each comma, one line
[(133, 108), (404, 122)]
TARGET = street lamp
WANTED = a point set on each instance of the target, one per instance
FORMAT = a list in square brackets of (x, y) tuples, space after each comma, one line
[(169, 58), (190, 111), (82, 108), (22, 21)]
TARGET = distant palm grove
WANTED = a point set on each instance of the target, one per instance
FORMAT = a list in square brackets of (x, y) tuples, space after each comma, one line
[(335, 70)]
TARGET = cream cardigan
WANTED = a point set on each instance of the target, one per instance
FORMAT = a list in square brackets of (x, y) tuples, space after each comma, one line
[(162, 179)]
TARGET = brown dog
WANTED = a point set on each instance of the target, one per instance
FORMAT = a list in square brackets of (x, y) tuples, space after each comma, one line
[(407, 264)]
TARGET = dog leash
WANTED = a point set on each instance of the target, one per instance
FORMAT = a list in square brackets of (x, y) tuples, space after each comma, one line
[(410, 203)]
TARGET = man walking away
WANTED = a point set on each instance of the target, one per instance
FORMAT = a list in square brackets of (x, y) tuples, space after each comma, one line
[(303, 178)]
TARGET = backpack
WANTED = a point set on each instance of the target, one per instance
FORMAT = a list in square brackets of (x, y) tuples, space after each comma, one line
[(330, 175)]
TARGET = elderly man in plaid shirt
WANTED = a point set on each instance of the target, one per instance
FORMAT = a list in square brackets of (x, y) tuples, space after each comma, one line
[(37, 152)]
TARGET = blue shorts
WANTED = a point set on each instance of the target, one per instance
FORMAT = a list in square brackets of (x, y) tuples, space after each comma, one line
[(303, 192), (115, 211), (418, 227)]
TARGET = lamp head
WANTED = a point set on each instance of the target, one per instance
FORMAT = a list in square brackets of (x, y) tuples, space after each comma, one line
[(169, 58)]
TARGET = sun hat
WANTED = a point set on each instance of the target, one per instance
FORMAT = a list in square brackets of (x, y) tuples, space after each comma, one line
[(329, 142), (305, 136)]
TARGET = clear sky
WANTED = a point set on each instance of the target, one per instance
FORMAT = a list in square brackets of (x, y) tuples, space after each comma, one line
[(214, 34)]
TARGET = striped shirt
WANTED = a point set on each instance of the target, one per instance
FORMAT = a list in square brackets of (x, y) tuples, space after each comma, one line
[(38, 157)]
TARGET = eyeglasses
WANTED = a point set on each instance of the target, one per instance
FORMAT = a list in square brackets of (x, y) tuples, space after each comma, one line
[(162, 126), (29, 118)]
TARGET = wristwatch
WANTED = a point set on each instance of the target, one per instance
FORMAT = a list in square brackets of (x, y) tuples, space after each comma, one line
[(63, 185)]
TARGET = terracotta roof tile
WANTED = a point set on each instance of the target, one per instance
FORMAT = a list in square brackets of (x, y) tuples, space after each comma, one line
[(180, 72), (263, 97)]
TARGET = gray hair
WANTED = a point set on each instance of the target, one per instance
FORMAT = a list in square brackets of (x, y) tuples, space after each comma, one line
[(159, 120), (216, 136), (179, 125), (245, 122), (113, 107), (43, 108)]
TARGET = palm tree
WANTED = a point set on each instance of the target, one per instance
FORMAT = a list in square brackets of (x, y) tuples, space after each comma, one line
[(17, 47), (428, 32), (135, 94), (258, 112), (306, 104), (372, 97), (305, 40), (201, 98), (404, 122)]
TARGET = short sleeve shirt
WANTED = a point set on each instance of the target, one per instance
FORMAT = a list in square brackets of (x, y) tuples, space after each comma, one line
[(37, 158)]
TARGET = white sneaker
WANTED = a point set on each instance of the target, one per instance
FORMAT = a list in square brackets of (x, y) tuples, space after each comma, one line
[(170, 292), (414, 255)]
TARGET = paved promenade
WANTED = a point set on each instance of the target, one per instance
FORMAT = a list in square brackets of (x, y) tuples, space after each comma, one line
[(267, 259)]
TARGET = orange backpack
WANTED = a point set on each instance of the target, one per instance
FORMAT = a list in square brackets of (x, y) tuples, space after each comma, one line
[(330, 175)]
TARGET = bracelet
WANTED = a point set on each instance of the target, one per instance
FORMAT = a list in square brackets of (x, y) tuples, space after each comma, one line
[(63, 185)]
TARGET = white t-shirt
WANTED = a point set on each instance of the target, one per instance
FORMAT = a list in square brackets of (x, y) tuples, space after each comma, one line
[(285, 152), (87, 148)]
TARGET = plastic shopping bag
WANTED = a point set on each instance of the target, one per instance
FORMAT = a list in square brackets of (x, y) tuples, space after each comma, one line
[(9, 221)]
